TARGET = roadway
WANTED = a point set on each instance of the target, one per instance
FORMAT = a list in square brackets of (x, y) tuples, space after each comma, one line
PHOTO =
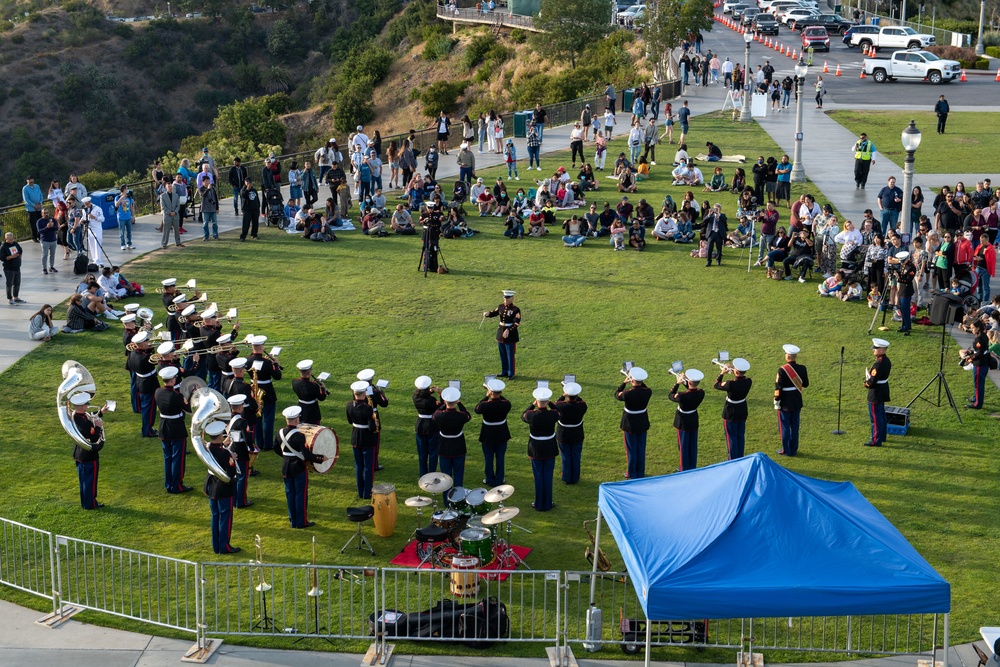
[(848, 90)]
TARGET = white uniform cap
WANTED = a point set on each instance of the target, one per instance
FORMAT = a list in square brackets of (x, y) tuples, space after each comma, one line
[(451, 395), (291, 412), (169, 282), (508, 292), (542, 394), (215, 429), (639, 374), (258, 340), (422, 382), (224, 339), (880, 342), (87, 200), (790, 349), (140, 337), (190, 310), (694, 375), (359, 386), (210, 313), (128, 318), (80, 398), (165, 348), (367, 374), (168, 372), (902, 256), (237, 400), (180, 298), (131, 307), (496, 385), (572, 389), (238, 362), (741, 364), (304, 365)]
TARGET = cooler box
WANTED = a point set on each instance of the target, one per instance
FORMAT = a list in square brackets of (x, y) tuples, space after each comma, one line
[(105, 200), (897, 420)]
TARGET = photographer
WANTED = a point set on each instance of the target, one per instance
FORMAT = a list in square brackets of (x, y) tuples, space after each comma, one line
[(906, 273), (800, 255)]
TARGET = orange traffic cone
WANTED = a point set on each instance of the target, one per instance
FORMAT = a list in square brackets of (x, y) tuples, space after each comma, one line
[(963, 76), (793, 54), (826, 68), (781, 50), (998, 74), (864, 50), (838, 70), (863, 70)]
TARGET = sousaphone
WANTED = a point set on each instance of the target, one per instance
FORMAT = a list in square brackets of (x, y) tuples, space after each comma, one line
[(76, 379), (207, 405)]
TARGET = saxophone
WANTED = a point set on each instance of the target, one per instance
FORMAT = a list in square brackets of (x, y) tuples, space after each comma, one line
[(371, 403), (258, 392)]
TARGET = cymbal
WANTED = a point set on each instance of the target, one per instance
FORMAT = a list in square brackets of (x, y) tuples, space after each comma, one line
[(498, 493), (418, 501), (435, 482), (500, 515)]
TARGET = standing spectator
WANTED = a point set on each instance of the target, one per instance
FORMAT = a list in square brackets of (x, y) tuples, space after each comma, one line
[(443, 132), (157, 175), (47, 233), (324, 158), (864, 158), (207, 159), (635, 142), (466, 165), (498, 134), (534, 143), (576, 143), (407, 165), (170, 205), (727, 73), (481, 131), (654, 105), (181, 190), (538, 116), (585, 121), (610, 97), (10, 255), (125, 206), (204, 175), (31, 194), (375, 164), (40, 326), (941, 109), (75, 189), (209, 210), (491, 131), (783, 181), (431, 162), (294, 184), (510, 158), (392, 154), (890, 203), (600, 152), (310, 186), (650, 138), (820, 92), (638, 108), (684, 116), (251, 210), (238, 174)]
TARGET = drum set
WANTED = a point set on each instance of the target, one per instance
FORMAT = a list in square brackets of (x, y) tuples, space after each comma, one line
[(473, 534)]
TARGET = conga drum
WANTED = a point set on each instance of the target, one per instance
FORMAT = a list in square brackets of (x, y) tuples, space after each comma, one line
[(321, 440), (384, 501), (464, 584)]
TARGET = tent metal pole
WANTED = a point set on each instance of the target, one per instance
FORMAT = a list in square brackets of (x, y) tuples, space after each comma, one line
[(947, 618), (597, 550), (649, 640)]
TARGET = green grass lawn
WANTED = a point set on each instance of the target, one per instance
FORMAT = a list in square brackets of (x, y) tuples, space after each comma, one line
[(964, 148), (362, 303)]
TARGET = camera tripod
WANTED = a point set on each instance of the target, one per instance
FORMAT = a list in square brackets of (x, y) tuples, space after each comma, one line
[(881, 307), (431, 245), (942, 381), (90, 234)]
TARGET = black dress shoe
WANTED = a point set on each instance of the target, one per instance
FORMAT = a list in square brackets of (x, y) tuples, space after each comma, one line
[(970, 406), (780, 452), (869, 444), (377, 468), (248, 503), (308, 524), (233, 550), (183, 489), (253, 472), (98, 506)]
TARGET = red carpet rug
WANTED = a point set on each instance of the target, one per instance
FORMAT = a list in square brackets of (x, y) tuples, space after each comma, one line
[(408, 558)]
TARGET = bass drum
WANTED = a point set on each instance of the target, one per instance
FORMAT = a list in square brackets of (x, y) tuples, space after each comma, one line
[(324, 441)]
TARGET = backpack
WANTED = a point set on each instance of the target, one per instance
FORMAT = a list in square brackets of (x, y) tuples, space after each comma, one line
[(80, 264)]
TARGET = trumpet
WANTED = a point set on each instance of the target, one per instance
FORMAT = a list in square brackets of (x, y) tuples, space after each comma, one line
[(724, 366), (681, 378)]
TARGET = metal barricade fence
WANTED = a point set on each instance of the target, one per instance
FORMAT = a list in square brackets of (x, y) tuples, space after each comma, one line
[(623, 623), (462, 605), (26, 559), (132, 584), (14, 219), (301, 600)]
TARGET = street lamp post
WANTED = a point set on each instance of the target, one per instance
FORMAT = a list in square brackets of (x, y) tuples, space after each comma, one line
[(745, 116), (982, 17), (911, 141), (798, 174)]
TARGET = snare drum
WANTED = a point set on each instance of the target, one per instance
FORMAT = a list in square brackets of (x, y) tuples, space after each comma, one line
[(321, 440), (464, 584), (384, 501), (477, 542), (476, 500), (456, 499), (447, 519)]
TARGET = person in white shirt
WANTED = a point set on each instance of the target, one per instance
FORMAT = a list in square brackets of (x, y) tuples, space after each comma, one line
[(94, 216), (324, 158), (360, 139), (476, 190), (849, 235), (77, 189), (681, 156), (635, 137), (665, 228), (609, 123), (109, 283)]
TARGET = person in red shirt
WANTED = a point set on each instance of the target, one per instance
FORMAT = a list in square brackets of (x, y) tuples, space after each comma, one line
[(964, 249)]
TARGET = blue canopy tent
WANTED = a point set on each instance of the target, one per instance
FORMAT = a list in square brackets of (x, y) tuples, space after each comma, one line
[(749, 538)]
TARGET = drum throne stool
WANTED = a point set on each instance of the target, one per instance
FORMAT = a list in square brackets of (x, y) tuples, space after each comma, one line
[(360, 515)]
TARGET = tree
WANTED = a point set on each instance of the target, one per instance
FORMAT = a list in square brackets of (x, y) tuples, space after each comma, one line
[(570, 26), (254, 119), (667, 23), (353, 106)]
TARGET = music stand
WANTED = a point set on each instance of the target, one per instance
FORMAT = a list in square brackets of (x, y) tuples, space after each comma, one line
[(942, 381), (264, 622)]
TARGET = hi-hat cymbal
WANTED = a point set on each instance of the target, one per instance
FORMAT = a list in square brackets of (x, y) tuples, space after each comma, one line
[(500, 515), (435, 482), (418, 501), (499, 493)]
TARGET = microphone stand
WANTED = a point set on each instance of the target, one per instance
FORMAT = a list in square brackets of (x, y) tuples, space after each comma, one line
[(840, 392)]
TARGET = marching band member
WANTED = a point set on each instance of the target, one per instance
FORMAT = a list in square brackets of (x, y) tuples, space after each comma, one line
[(541, 419), (494, 432), (237, 384), (290, 445), (128, 333), (268, 370), (227, 352), (734, 412), (240, 444), (425, 429), (173, 433), (569, 430), (211, 331), (87, 461), (507, 335), (377, 399), (310, 391), (877, 382), (194, 364), (361, 417), (451, 419), (220, 494), (792, 378), (635, 420), (979, 356), (146, 382), (169, 358), (686, 416)]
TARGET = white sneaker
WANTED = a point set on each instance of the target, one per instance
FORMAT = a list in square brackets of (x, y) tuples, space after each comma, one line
[(123, 247), (802, 280), (108, 315), (653, 163), (538, 168), (132, 247), (517, 178)]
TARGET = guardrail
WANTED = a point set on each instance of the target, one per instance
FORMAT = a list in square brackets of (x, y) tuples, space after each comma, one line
[(495, 18)]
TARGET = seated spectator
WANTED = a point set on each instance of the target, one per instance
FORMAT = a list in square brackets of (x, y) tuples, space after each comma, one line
[(606, 217), (739, 181), (777, 252), (665, 228), (833, 285), (502, 199), (576, 232), (290, 210), (544, 193), (81, 317), (626, 181), (536, 223), (317, 229), (477, 189), (485, 202), (618, 230), (331, 213), (402, 221), (109, 285), (713, 151), (587, 179), (40, 326), (642, 173), (455, 226), (718, 182), (637, 235), (515, 226), (519, 203), (622, 164), (687, 174), (852, 292), (378, 201), (685, 228), (624, 210), (681, 156), (741, 236), (97, 303), (800, 255), (644, 212), (372, 225)]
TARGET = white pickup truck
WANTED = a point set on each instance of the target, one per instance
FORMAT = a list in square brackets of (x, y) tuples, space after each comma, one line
[(894, 37), (919, 65)]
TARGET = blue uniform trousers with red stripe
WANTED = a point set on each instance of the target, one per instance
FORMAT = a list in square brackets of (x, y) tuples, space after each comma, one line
[(222, 524), (87, 472)]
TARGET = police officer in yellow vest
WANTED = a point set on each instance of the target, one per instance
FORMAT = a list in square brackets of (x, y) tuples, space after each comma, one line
[(864, 158)]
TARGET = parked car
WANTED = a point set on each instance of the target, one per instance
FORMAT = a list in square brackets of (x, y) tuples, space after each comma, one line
[(748, 15), (894, 37), (765, 24), (635, 12), (815, 37), (834, 24), (796, 13), (849, 39), (738, 11), (914, 65), (727, 6)]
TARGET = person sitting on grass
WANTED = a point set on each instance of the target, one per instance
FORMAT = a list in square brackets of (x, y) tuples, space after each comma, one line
[(741, 236), (833, 285), (800, 255), (372, 225), (626, 181), (485, 201), (515, 226), (40, 326), (714, 152), (644, 212), (688, 174), (536, 223), (637, 235), (587, 179), (852, 292), (665, 228), (739, 181), (618, 230), (576, 232), (317, 229), (402, 221), (718, 182), (685, 228), (520, 202), (642, 173), (109, 285), (81, 317)]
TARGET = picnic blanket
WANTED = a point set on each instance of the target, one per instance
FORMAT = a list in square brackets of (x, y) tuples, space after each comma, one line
[(345, 226), (725, 158)]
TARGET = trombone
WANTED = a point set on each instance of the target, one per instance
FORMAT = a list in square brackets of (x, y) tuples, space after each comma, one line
[(156, 357)]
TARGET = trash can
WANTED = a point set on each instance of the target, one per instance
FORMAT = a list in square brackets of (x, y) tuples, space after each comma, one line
[(628, 97), (876, 20), (105, 200), (521, 120)]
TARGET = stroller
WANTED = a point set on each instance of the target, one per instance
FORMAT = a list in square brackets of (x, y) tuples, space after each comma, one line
[(460, 195), (968, 285), (275, 204)]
